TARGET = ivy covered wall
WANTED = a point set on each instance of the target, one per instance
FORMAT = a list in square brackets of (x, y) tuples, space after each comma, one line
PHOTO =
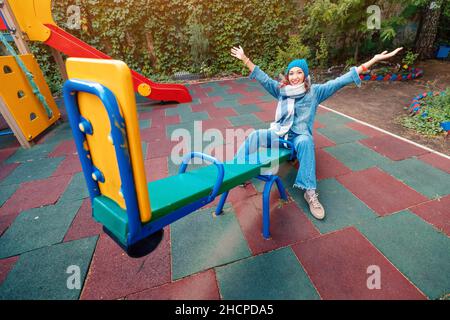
[(161, 37)]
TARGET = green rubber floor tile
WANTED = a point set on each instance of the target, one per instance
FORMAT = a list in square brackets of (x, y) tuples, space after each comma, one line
[(247, 109), (258, 184), (6, 192), (76, 190), (194, 116), (189, 126), (33, 170), (218, 90), (257, 85), (287, 174), (201, 241), (7, 141), (422, 177), (227, 103), (276, 275), (331, 119), (39, 151), (214, 84), (341, 134), (37, 228), (418, 250), (178, 110), (144, 146), (60, 133), (342, 208), (144, 124), (186, 114), (356, 156), (245, 119), (172, 168), (50, 273)]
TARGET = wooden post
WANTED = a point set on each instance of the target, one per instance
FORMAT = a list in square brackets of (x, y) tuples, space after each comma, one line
[(13, 125), (60, 62), (16, 33)]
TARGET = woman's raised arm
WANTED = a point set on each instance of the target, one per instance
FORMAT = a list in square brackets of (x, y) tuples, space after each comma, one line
[(238, 52), (378, 57), (267, 82)]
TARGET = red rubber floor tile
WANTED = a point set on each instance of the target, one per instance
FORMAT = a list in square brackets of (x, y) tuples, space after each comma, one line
[(288, 224), (6, 153), (436, 161), (217, 113), (268, 106), (201, 286), (202, 107), (436, 212), (84, 225), (153, 134), (216, 124), (159, 118), (158, 149), (321, 110), (223, 152), (6, 169), (113, 274), (249, 99), (393, 148), (327, 166), (206, 99), (5, 267), (65, 148), (380, 191), (69, 166), (338, 263), (318, 125), (167, 120), (156, 168), (366, 130), (236, 195), (35, 194)]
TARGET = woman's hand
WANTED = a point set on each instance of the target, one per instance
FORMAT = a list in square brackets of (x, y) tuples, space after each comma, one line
[(384, 55), (238, 53)]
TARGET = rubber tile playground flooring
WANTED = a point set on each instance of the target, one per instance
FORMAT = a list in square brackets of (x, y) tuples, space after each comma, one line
[(386, 234)]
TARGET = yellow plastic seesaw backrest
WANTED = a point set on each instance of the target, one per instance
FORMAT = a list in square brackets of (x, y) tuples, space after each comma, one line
[(116, 76)]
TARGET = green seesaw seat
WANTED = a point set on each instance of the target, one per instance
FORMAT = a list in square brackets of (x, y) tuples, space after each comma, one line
[(102, 112)]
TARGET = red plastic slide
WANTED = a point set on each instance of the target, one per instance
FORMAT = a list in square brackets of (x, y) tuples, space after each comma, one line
[(74, 47), (2, 25)]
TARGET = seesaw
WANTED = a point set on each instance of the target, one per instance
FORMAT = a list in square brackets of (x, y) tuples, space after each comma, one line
[(102, 113)]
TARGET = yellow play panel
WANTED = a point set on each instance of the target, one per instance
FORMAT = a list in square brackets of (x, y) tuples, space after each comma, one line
[(17, 96)]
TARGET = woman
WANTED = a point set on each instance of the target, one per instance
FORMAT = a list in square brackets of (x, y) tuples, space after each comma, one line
[(294, 118)]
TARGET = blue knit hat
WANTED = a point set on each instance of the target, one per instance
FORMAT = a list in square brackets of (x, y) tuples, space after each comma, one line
[(301, 63)]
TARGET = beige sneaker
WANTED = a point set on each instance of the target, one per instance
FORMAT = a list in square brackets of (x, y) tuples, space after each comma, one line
[(315, 207)]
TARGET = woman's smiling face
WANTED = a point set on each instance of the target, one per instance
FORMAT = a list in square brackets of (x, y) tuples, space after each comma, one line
[(296, 76)]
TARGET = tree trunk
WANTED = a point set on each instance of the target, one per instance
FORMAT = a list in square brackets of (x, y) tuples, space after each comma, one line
[(151, 49), (356, 56), (428, 31)]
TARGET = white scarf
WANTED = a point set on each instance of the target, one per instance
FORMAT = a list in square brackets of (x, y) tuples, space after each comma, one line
[(284, 116)]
